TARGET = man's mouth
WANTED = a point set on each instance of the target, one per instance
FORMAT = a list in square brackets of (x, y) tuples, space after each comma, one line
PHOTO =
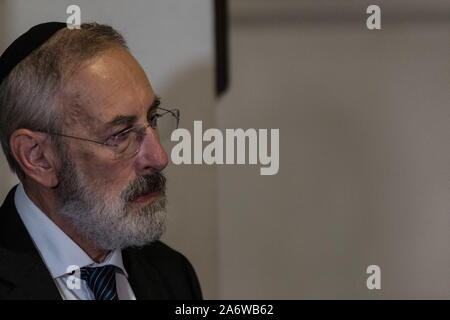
[(150, 196), (145, 189)]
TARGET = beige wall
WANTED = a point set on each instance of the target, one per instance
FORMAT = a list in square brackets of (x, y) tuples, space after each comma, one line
[(364, 158)]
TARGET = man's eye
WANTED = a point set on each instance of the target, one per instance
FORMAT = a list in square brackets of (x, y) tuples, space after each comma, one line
[(118, 138)]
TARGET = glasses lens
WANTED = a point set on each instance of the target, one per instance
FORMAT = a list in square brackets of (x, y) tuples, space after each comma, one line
[(166, 124), (128, 146)]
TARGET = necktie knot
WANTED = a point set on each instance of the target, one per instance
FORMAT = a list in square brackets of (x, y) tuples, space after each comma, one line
[(101, 281)]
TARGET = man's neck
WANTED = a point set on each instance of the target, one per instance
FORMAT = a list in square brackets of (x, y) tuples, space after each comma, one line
[(47, 200)]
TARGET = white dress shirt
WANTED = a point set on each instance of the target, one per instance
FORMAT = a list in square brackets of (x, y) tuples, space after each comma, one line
[(59, 252)]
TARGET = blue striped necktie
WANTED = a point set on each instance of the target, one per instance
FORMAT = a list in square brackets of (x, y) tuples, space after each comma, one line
[(102, 281)]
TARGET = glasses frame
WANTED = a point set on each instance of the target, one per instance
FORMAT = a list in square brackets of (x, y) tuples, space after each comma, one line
[(140, 130)]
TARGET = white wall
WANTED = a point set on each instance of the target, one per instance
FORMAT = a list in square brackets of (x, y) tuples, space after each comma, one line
[(173, 40)]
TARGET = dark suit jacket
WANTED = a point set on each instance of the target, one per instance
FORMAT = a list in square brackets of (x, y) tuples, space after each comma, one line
[(155, 271)]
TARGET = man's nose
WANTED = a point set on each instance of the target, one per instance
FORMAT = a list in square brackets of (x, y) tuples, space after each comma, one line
[(151, 157)]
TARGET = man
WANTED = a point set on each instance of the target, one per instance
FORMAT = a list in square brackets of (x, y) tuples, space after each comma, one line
[(81, 125)]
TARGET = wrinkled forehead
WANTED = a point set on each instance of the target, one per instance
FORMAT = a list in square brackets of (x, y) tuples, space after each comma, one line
[(111, 84)]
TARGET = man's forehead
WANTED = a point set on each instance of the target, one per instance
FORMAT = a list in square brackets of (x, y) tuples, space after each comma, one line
[(114, 83)]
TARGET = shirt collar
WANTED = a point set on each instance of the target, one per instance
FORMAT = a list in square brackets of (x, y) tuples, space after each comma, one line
[(55, 247)]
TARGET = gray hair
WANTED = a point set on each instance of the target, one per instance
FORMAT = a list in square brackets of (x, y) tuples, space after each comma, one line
[(30, 94)]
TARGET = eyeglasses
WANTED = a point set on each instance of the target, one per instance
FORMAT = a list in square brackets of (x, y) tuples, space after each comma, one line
[(127, 143)]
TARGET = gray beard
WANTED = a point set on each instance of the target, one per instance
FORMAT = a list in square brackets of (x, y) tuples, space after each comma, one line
[(109, 222)]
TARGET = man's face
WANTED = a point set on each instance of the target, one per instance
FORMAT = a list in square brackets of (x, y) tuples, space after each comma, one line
[(114, 201)]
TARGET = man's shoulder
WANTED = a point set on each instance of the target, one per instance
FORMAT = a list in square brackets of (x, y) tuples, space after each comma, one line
[(164, 264), (159, 254), (159, 248), (13, 234)]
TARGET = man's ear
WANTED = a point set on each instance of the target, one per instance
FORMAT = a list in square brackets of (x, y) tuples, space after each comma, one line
[(35, 156)]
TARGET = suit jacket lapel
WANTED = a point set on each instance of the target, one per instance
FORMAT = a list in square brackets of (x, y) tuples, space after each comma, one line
[(23, 274), (143, 277)]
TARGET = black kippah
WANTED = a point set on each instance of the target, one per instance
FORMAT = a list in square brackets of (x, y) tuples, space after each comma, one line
[(25, 44)]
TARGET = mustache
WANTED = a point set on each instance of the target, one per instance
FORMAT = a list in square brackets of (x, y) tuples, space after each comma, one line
[(155, 182)]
